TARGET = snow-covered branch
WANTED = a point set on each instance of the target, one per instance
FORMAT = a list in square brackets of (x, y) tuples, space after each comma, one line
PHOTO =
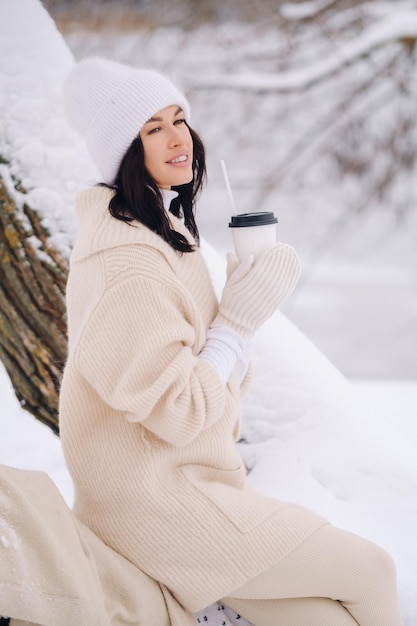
[(305, 10), (391, 29)]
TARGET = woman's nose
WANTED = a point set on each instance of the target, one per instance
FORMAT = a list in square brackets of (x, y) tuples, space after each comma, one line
[(176, 138)]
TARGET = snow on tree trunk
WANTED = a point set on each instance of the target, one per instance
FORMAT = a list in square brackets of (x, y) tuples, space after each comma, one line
[(363, 140), (39, 157), (32, 310)]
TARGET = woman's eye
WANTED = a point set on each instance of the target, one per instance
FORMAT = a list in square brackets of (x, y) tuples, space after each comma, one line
[(180, 121), (154, 130)]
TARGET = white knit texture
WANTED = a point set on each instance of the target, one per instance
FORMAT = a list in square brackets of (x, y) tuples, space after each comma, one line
[(256, 287), (108, 103), (224, 348)]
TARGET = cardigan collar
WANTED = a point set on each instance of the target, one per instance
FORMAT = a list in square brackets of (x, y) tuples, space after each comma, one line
[(98, 230)]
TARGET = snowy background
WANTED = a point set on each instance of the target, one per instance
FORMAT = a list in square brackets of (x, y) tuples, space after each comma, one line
[(331, 418), (285, 139)]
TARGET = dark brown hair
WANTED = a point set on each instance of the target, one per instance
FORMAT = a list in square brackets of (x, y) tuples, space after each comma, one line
[(137, 196)]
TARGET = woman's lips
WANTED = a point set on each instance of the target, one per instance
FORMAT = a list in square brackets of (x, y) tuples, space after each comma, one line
[(180, 161)]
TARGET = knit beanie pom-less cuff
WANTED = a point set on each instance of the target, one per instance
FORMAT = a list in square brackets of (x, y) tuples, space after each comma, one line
[(108, 103)]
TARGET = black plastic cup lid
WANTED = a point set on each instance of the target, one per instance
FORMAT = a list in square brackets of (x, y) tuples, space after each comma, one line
[(262, 218)]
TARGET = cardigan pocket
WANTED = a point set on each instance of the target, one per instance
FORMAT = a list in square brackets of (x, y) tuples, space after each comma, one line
[(231, 495)]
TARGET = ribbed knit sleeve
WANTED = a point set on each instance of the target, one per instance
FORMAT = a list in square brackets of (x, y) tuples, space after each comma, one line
[(147, 426), (138, 352)]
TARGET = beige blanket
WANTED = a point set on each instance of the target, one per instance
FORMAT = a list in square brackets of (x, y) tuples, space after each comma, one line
[(54, 571)]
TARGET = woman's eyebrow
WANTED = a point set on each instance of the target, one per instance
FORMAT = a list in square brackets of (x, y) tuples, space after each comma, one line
[(159, 119)]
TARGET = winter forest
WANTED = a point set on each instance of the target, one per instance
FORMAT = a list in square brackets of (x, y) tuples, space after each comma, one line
[(313, 107)]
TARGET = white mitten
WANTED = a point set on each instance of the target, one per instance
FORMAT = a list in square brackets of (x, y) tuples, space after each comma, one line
[(256, 287)]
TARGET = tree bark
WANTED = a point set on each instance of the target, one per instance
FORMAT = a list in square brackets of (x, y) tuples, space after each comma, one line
[(33, 343)]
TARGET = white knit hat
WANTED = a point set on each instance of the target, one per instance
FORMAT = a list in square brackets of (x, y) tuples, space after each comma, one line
[(108, 103)]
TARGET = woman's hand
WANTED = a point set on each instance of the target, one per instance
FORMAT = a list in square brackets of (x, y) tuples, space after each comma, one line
[(256, 287)]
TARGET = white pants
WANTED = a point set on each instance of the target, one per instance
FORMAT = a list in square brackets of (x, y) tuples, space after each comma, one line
[(335, 578)]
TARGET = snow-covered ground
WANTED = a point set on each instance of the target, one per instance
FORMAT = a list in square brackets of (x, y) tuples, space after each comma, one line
[(295, 454), (342, 444)]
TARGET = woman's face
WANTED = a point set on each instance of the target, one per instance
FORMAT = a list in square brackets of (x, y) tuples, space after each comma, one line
[(168, 148)]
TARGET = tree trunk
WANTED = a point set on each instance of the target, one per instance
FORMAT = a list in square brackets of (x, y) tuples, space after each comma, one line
[(33, 342)]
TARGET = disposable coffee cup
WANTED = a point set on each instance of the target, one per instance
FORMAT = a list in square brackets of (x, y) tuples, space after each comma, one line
[(253, 233)]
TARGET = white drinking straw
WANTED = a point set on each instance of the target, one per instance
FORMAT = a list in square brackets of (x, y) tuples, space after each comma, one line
[(228, 187)]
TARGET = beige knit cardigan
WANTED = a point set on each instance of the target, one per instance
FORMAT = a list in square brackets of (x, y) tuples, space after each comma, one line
[(148, 428)]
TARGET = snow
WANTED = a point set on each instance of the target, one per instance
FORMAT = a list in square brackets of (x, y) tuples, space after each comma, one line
[(292, 11), (344, 447), (395, 26), (43, 153)]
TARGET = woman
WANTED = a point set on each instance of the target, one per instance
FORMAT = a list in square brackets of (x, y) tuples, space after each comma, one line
[(150, 399)]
